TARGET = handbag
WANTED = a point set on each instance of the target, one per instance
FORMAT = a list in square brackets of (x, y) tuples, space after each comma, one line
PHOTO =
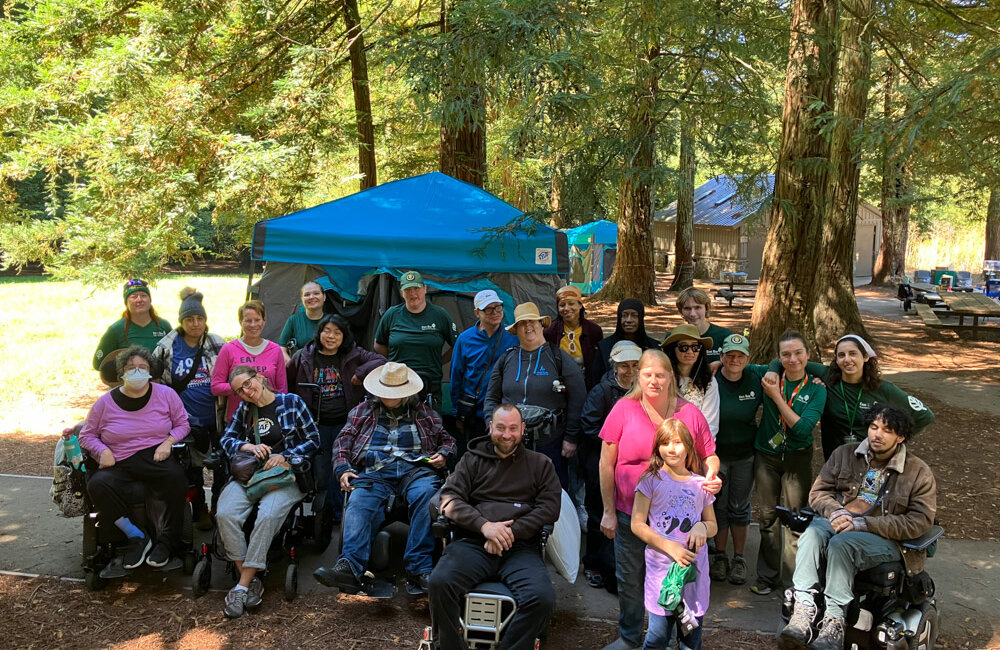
[(540, 424), (260, 481), (242, 466)]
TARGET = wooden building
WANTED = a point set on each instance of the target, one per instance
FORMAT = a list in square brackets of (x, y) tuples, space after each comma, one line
[(730, 227)]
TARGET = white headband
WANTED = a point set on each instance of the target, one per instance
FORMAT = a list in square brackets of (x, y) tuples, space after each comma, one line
[(857, 339)]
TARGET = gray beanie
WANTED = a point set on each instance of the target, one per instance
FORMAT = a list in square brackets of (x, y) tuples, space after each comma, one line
[(191, 304)]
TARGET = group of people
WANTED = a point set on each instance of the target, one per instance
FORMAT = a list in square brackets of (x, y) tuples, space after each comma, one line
[(659, 443)]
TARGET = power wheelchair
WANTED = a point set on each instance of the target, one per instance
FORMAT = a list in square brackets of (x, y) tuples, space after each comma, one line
[(891, 609)]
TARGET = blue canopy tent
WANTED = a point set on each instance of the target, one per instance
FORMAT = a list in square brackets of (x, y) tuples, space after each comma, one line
[(460, 237), (592, 251)]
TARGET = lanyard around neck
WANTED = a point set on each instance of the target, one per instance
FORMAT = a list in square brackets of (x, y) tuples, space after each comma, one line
[(848, 411), (805, 378)]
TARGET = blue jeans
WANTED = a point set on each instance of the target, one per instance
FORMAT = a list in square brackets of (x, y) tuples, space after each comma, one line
[(630, 569), (365, 513), (846, 554), (660, 635), (732, 504), (327, 484)]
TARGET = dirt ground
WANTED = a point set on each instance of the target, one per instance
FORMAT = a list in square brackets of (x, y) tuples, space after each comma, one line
[(959, 445)]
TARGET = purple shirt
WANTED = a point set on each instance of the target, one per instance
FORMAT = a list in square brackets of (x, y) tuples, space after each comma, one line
[(127, 432), (675, 505)]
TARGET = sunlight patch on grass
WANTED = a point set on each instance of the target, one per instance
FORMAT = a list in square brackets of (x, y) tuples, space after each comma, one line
[(49, 331)]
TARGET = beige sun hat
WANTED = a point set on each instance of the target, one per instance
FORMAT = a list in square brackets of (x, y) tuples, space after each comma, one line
[(688, 331), (527, 311), (393, 381)]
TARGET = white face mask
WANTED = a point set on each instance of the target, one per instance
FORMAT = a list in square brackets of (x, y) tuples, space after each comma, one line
[(137, 378)]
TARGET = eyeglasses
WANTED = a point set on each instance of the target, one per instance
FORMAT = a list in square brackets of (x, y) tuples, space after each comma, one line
[(135, 283), (495, 309), (689, 347), (242, 389)]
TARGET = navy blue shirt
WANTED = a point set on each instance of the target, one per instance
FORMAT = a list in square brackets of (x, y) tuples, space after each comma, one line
[(197, 397)]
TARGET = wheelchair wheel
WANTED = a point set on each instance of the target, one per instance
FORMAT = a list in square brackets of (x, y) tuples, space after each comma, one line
[(201, 577), (93, 581), (927, 628), (291, 582)]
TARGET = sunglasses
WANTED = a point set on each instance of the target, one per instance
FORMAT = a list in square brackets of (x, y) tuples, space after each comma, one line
[(135, 283), (689, 347)]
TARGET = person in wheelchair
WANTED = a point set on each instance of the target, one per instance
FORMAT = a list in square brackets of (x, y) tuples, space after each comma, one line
[(869, 498), (130, 430), (500, 496), (393, 445), (286, 429)]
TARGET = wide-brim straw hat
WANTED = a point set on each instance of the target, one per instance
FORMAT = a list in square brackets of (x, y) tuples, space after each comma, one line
[(527, 311), (687, 331), (393, 381), (108, 369)]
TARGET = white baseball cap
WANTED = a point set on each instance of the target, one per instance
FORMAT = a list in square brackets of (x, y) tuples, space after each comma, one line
[(485, 298)]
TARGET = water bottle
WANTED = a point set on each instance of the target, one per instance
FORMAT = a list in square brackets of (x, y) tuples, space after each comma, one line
[(74, 455)]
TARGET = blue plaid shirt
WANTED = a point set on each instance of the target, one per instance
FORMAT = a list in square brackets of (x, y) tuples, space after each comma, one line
[(297, 427), (393, 438)]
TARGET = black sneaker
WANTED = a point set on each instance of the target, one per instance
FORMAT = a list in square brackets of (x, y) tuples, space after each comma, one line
[(255, 593), (159, 556), (341, 576), (417, 583), (135, 552)]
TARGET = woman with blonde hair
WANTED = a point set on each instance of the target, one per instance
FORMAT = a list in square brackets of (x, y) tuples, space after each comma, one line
[(250, 349), (628, 438)]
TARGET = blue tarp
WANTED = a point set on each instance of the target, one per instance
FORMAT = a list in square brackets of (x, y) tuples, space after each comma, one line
[(430, 222), (592, 250), (603, 232)]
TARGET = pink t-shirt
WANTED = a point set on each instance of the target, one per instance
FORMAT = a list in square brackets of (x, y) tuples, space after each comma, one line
[(270, 363), (674, 507), (629, 427)]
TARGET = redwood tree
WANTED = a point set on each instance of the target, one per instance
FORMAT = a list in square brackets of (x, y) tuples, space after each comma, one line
[(896, 201), (993, 226), (785, 296), (836, 308), (684, 226), (362, 97)]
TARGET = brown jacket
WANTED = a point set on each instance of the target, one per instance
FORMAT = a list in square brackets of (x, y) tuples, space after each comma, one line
[(908, 504), (485, 487)]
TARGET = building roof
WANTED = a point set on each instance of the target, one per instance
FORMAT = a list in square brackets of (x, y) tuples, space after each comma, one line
[(718, 202)]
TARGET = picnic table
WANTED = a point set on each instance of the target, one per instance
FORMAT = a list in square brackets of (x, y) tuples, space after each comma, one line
[(929, 292), (974, 305), (734, 283)]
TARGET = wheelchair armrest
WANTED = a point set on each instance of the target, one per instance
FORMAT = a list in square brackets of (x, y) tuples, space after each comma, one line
[(921, 543), (441, 527), (544, 533), (216, 460)]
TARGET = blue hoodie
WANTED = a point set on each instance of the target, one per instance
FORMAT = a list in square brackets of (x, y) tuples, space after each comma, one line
[(473, 359)]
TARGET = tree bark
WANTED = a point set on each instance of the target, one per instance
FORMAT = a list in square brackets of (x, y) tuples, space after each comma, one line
[(993, 226), (836, 310), (362, 97), (895, 204), (557, 216), (633, 275), (785, 295), (684, 230)]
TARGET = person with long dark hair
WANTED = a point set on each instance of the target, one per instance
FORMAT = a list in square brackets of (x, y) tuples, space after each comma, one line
[(139, 324), (687, 351), (630, 325)]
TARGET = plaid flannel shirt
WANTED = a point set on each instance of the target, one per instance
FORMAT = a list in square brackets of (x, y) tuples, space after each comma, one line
[(297, 427), (349, 451)]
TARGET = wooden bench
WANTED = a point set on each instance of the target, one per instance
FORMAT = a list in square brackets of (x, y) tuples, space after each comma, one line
[(729, 295), (927, 315)]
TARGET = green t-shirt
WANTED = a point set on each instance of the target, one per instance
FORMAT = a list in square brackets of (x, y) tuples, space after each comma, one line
[(738, 404), (114, 338), (718, 335), (846, 405), (417, 339), (299, 329), (808, 405)]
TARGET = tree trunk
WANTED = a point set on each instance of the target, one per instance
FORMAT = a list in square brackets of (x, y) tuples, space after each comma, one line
[(362, 97), (633, 275), (557, 216), (895, 204), (993, 226), (785, 295), (684, 230), (462, 151), (836, 309)]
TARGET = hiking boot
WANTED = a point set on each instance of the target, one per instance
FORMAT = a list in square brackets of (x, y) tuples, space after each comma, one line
[(738, 570), (799, 630), (417, 583), (718, 568), (136, 551), (341, 576), (594, 578), (236, 602), (255, 592), (159, 556), (831, 635), (762, 587)]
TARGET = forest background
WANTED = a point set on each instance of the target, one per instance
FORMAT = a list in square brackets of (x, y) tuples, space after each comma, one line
[(135, 133)]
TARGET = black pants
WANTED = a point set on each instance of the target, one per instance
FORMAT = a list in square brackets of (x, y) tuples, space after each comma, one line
[(465, 564), (112, 491), (600, 555)]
